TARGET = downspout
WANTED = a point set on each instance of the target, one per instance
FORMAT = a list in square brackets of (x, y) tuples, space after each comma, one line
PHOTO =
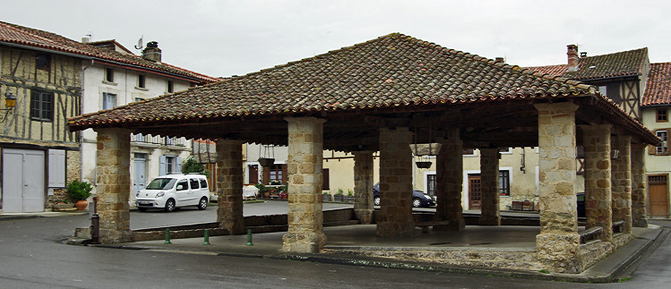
[(81, 111)]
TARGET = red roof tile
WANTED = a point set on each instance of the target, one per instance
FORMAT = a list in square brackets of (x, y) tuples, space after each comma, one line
[(658, 87), (20, 35), (619, 64)]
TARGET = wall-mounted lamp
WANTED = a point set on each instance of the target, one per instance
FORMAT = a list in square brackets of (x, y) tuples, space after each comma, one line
[(10, 103)]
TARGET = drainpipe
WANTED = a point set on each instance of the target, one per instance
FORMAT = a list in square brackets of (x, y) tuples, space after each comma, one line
[(81, 111)]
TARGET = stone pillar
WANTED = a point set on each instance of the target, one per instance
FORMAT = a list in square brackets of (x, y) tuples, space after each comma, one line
[(449, 182), (621, 182), (395, 218), (305, 216), (558, 244), (489, 173), (229, 186), (113, 189), (363, 186), (596, 141), (639, 197)]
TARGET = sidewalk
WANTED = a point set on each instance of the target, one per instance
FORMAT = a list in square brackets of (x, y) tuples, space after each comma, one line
[(269, 245), (17, 216)]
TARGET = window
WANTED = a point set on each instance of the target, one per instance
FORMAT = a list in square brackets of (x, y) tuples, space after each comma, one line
[(137, 99), (468, 152), (663, 148), (603, 90), (109, 100), (662, 115), (169, 165), (41, 106), (42, 61), (431, 184), (171, 86), (57, 168), (193, 183), (109, 75), (140, 81), (276, 173), (203, 183), (184, 184), (504, 183)]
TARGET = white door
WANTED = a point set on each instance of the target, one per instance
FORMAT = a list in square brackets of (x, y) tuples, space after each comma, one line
[(23, 181), (139, 172)]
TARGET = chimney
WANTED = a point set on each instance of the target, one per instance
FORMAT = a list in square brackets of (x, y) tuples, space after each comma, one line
[(499, 60), (572, 52), (86, 40), (152, 52)]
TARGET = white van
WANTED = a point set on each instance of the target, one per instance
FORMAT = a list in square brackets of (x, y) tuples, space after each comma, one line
[(173, 191)]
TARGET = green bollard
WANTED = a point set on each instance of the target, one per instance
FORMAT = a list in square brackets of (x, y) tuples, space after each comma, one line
[(167, 236), (249, 237), (206, 241)]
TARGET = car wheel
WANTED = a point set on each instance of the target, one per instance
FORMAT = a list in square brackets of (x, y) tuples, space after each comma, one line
[(142, 209), (376, 201), (202, 205), (416, 202), (170, 205)]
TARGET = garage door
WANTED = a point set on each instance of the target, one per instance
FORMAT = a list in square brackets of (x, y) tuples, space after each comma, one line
[(23, 181)]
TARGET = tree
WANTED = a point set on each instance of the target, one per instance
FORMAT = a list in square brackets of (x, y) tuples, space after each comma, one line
[(192, 166)]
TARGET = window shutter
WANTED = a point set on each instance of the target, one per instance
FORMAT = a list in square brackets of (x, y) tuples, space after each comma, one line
[(284, 173), (162, 169), (178, 165), (57, 168), (652, 150)]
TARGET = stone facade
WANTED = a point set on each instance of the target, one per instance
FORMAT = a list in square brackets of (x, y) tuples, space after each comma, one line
[(363, 186), (395, 217), (229, 186), (489, 167), (596, 141), (305, 216), (558, 244), (449, 175), (639, 196), (114, 185), (621, 180)]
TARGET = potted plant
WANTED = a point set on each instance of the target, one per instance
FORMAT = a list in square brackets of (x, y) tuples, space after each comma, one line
[(327, 197), (338, 197), (78, 192), (350, 196)]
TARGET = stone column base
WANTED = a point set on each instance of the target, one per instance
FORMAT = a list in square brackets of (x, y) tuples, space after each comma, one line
[(641, 223), (365, 216), (559, 252), (489, 221), (395, 229), (454, 225), (115, 237), (303, 242)]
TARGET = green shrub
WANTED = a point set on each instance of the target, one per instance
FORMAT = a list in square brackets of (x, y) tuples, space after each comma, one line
[(190, 165), (79, 190)]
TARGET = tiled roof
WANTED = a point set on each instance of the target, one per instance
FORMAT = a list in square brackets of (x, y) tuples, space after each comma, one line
[(20, 35), (658, 87), (389, 72), (619, 64)]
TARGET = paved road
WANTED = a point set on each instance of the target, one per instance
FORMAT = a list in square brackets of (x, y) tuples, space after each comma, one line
[(33, 256)]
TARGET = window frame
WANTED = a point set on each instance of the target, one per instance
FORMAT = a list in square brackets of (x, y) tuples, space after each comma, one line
[(171, 86), (109, 74), (141, 81), (43, 61), (663, 148), (504, 186), (106, 96), (38, 111), (661, 115)]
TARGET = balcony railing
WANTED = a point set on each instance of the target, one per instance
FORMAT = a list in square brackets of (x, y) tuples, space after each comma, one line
[(158, 140)]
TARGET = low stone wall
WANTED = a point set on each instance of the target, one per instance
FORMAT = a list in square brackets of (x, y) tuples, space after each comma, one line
[(593, 252), (621, 239), (517, 260)]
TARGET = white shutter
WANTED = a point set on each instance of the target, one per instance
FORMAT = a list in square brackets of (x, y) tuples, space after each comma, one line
[(162, 167), (178, 165), (56, 168)]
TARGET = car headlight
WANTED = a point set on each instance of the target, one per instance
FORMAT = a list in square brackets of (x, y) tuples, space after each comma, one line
[(427, 197), (137, 194), (160, 194)]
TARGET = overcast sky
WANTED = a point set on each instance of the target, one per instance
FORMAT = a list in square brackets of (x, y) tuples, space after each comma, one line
[(224, 38)]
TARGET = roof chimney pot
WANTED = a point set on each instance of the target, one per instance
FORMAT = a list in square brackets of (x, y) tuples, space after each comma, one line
[(572, 52), (152, 52), (499, 60)]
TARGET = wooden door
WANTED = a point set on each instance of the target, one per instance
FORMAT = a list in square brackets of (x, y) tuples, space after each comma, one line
[(474, 192), (658, 191)]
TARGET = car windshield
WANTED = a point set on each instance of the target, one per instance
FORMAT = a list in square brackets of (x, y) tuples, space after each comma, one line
[(161, 184)]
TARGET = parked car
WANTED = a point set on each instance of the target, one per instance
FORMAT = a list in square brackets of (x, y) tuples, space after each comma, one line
[(170, 192), (419, 198)]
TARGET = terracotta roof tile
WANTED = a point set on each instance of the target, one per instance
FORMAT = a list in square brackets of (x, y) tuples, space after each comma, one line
[(619, 64), (391, 71), (12, 33), (658, 87)]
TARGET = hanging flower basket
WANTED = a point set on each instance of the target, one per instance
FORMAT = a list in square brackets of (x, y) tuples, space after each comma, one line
[(423, 165), (266, 162)]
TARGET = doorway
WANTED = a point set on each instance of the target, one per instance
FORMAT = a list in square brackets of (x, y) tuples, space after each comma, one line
[(474, 192), (658, 191), (139, 172), (23, 185)]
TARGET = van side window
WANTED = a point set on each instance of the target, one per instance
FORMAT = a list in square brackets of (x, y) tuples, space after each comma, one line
[(184, 184), (194, 184), (203, 183)]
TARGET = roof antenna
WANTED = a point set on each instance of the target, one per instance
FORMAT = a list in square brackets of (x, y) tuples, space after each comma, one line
[(139, 43)]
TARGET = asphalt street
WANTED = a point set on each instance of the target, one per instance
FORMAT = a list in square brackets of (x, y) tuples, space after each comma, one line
[(34, 255)]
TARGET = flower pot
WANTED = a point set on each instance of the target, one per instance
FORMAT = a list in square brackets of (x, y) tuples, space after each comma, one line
[(327, 197), (423, 165), (266, 162), (81, 205), (338, 198)]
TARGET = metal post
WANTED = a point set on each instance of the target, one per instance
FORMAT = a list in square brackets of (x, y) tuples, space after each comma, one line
[(167, 236), (95, 229), (206, 240), (249, 237)]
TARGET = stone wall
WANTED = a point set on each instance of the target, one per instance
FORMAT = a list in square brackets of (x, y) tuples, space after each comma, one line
[(593, 252), (395, 217), (229, 186), (489, 167)]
